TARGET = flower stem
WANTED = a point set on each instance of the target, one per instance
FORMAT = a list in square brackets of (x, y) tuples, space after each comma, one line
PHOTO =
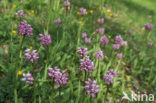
[(46, 68), (79, 36), (58, 33), (85, 75), (34, 85), (106, 93), (60, 90), (52, 92), (49, 15), (16, 69), (15, 95), (148, 35), (20, 47), (98, 67)]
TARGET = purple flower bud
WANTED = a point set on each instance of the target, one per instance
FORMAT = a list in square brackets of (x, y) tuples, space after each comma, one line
[(112, 72), (104, 40), (82, 11), (87, 40), (66, 3), (58, 21), (119, 56), (149, 44), (99, 54), (45, 39), (84, 35), (129, 31), (118, 39), (109, 76), (101, 20), (101, 31), (20, 13), (124, 43), (148, 27), (86, 64), (82, 51), (31, 56), (28, 78), (59, 77), (25, 29), (52, 73), (91, 87), (29, 30), (116, 46)]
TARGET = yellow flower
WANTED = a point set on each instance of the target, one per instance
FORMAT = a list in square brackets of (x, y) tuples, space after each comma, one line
[(107, 11), (80, 22), (110, 14), (91, 11), (13, 32), (68, 7), (109, 36), (86, 13), (127, 76), (32, 11), (14, 6), (30, 47), (19, 72), (78, 13)]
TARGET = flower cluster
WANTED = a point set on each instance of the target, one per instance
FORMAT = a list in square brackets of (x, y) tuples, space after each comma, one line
[(52, 73), (66, 3), (28, 78), (109, 77), (124, 43), (119, 55), (83, 11), (60, 77), (87, 40), (31, 55), (116, 46), (101, 31), (99, 54), (129, 31), (86, 64), (104, 40), (148, 27), (20, 13), (119, 41), (149, 44), (58, 21), (82, 51), (101, 20), (45, 39), (25, 29), (84, 35), (91, 87)]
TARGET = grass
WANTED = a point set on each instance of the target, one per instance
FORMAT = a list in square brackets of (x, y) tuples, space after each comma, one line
[(135, 13), (136, 70)]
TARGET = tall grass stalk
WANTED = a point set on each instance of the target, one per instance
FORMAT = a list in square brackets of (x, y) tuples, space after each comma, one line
[(79, 35), (52, 93), (34, 84), (47, 61), (16, 69)]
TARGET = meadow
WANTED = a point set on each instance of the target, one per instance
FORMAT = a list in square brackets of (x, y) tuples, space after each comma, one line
[(77, 51)]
